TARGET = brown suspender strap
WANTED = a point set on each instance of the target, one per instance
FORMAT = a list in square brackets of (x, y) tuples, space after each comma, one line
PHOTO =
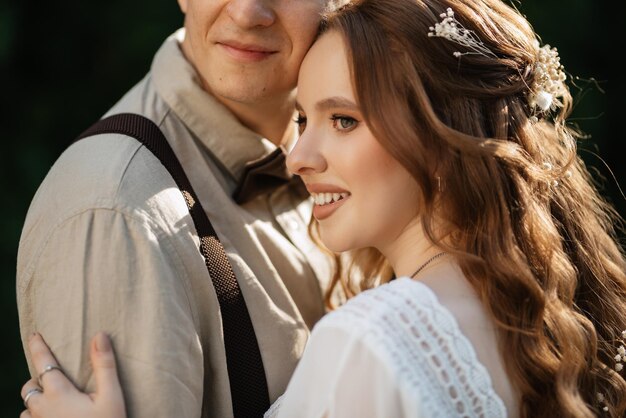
[(248, 386)]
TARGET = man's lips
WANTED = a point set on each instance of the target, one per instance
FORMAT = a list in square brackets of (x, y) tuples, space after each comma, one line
[(246, 52)]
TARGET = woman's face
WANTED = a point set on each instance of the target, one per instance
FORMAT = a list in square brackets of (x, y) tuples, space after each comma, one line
[(363, 197)]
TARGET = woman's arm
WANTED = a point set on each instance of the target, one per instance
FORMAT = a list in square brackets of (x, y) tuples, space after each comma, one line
[(59, 398)]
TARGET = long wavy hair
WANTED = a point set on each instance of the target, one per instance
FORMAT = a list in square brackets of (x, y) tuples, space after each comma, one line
[(516, 204)]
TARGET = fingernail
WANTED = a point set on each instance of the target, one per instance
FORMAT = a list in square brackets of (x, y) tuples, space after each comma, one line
[(102, 342)]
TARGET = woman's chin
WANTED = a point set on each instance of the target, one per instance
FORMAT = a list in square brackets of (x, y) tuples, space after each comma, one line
[(336, 243)]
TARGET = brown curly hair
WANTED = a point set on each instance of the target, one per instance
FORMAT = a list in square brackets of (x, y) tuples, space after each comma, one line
[(517, 207)]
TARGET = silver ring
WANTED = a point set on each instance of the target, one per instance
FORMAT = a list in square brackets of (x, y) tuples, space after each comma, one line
[(47, 369), (30, 393)]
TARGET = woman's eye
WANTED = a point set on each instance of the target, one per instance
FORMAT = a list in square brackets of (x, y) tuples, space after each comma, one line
[(301, 122), (343, 123)]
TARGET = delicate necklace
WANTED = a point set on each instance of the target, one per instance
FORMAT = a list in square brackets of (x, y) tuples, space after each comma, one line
[(430, 260)]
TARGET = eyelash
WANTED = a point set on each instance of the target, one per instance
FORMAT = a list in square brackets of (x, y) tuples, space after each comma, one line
[(301, 122)]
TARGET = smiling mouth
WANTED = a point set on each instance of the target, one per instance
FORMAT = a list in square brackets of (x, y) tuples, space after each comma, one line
[(323, 199)]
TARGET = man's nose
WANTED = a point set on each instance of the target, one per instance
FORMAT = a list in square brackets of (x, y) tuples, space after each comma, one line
[(251, 13), (306, 158)]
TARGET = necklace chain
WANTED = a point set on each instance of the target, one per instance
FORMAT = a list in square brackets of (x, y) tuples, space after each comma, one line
[(430, 260)]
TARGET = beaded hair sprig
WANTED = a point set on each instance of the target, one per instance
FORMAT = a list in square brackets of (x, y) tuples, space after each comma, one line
[(548, 84), (452, 30), (620, 360)]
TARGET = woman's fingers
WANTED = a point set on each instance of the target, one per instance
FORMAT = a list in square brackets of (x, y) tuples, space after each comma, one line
[(31, 384), (49, 373), (104, 368), (60, 398), (32, 394), (108, 394)]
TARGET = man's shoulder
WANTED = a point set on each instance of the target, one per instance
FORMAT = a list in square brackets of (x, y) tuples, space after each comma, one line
[(108, 171)]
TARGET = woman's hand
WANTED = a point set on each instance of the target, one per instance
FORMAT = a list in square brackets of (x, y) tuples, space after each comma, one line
[(54, 396)]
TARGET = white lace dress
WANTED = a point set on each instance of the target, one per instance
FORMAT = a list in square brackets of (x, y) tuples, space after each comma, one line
[(391, 352)]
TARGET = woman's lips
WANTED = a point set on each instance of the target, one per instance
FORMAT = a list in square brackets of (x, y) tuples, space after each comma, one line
[(321, 212), (327, 198)]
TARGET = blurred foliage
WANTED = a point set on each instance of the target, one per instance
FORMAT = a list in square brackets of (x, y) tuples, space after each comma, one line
[(65, 63)]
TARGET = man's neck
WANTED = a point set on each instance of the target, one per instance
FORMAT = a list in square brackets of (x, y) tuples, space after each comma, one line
[(272, 119)]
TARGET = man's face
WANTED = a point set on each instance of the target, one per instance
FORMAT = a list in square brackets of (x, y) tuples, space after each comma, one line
[(249, 51)]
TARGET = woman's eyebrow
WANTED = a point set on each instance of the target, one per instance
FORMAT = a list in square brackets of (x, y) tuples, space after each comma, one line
[(331, 103), (335, 102)]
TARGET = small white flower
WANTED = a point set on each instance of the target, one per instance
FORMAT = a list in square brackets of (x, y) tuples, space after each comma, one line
[(624, 334), (619, 367), (605, 409), (600, 397), (621, 350), (547, 166), (543, 100), (618, 358)]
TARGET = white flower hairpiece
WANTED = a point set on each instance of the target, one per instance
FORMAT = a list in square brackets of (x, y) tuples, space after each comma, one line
[(548, 85)]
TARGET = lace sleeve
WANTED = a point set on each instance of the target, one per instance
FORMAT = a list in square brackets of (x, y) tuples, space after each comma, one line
[(421, 344), (393, 351)]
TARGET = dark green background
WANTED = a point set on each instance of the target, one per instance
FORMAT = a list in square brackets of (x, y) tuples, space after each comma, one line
[(63, 64)]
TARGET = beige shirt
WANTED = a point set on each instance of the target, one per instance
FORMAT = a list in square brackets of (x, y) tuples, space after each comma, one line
[(108, 244)]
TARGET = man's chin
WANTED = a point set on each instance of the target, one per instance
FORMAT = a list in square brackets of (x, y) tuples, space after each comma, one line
[(245, 93)]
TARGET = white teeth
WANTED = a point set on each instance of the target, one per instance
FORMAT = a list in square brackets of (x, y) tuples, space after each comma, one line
[(326, 198)]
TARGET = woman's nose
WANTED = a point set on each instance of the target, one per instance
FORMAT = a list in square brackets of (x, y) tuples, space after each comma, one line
[(305, 157), (251, 13)]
